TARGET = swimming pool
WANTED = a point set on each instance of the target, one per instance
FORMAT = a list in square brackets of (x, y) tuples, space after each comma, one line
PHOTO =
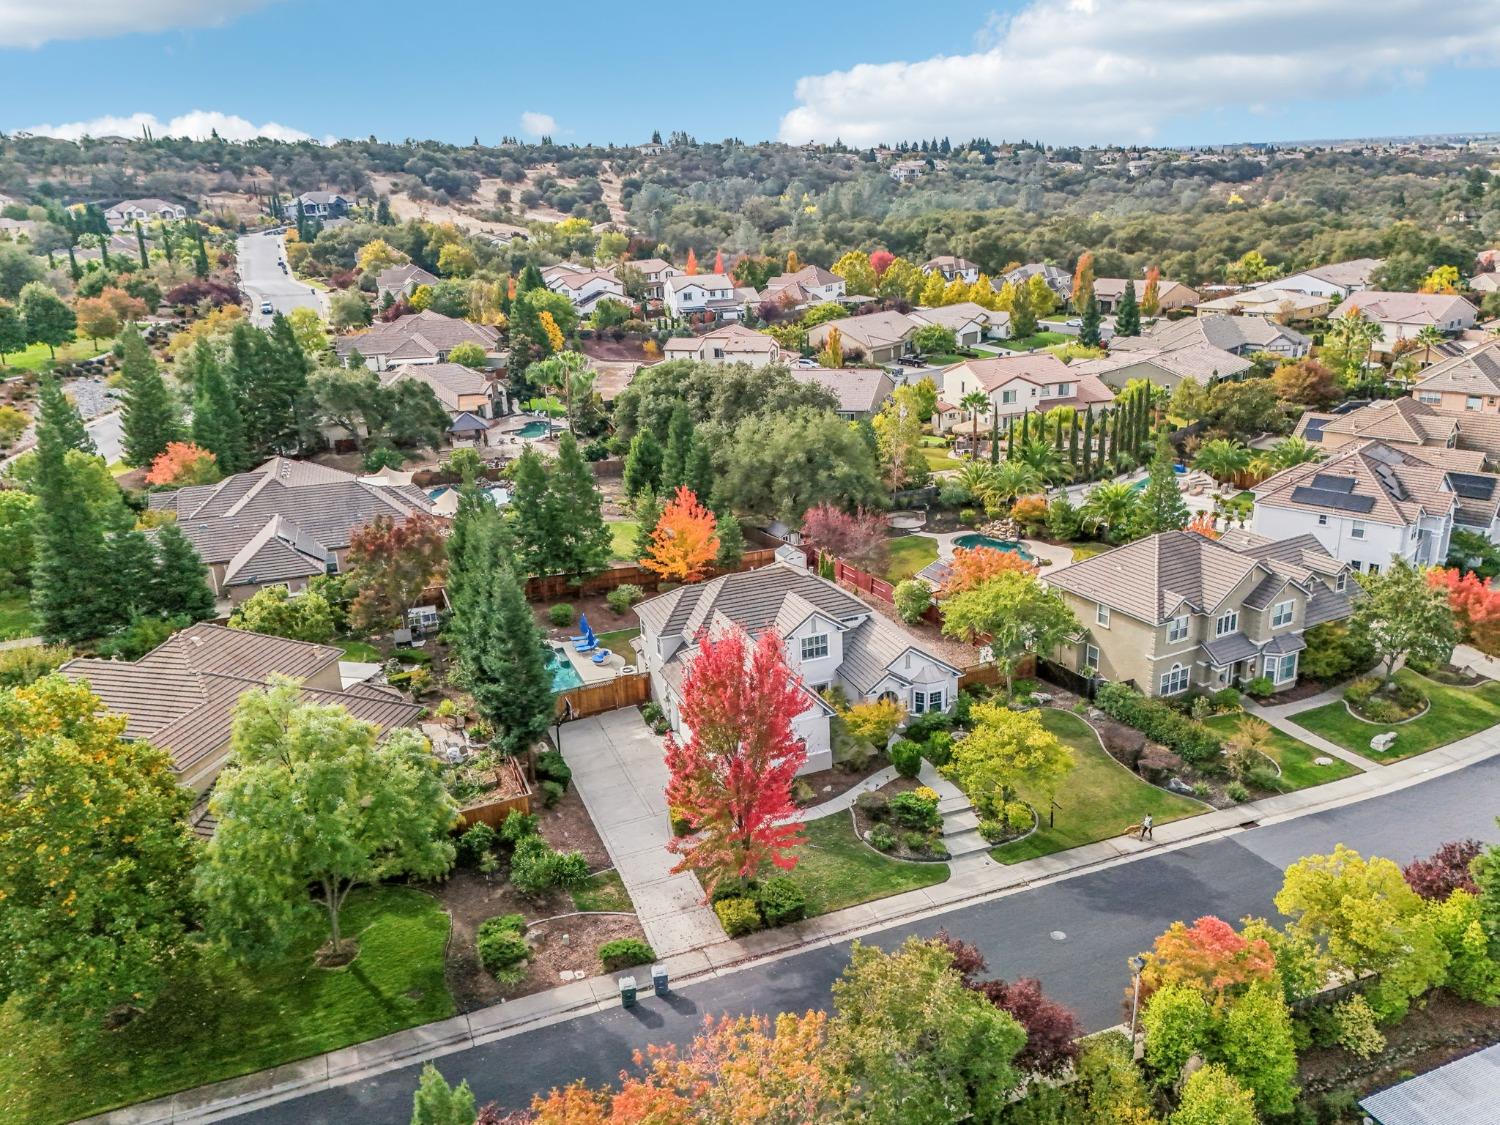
[(535, 430), (976, 540), (564, 676)]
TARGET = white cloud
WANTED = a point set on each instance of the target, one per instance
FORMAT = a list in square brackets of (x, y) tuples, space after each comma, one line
[(538, 124), (198, 124), (30, 23), (1085, 71)]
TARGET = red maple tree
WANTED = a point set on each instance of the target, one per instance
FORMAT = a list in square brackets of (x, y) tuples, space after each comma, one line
[(1444, 871), (1475, 603), (879, 260), (974, 566), (392, 563), (732, 778), (685, 541), (1210, 955), (858, 537)]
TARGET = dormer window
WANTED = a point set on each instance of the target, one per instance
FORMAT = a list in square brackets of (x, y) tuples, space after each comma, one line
[(815, 646), (1341, 581)]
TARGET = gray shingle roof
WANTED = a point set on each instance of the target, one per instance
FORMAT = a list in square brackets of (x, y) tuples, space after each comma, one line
[(1466, 1090), (1150, 578), (1227, 650)]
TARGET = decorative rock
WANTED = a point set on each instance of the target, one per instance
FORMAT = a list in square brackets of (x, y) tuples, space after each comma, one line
[(1041, 697), (1177, 785), (1383, 742), (1322, 760)]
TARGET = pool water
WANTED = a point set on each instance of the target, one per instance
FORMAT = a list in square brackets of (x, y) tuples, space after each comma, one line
[(564, 676), (534, 430), (970, 541)]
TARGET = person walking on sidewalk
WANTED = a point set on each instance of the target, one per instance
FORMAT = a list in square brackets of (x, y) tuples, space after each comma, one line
[(1146, 827)]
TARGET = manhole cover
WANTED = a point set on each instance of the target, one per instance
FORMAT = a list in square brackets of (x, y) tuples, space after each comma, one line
[(1058, 935)]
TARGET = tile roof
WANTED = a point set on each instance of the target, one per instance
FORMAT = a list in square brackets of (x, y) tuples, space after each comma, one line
[(1229, 333), (1407, 308), (872, 330), (448, 381), (396, 277), (859, 390), (807, 275), (1198, 360), (1475, 372), (1402, 420), (959, 315), (1150, 578), (1393, 483), (1345, 275), (422, 335)]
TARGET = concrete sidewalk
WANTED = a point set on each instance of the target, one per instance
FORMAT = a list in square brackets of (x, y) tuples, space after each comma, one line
[(719, 957), (621, 774)]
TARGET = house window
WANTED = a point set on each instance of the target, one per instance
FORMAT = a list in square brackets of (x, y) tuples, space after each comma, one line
[(815, 646), (1341, 582), (1178, 628), (1007, 396), (1062, 390), (1281, 614), (1429, 397), (1174, 680), (924, 701), (1281, 669), (1373, 568), (1473, 402), (1322, 519), (1228, 623), (1357, 529), (1101, 616), (1091, 657)]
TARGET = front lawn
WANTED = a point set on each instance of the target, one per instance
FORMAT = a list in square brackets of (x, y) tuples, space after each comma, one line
[(604, 891), (909, 554), (217, 1021), (1456, 712), (16, 618), (622, 535), (619, 642), (1098, 800), (836, 870), (1043, 339), (1295, 757)]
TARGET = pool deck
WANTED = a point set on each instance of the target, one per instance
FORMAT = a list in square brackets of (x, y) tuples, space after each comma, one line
[(589, 672), (1059, 556)]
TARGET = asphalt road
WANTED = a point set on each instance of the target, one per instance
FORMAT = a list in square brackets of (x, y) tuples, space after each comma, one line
[(1074, 935), (108, 433), (261, 276)]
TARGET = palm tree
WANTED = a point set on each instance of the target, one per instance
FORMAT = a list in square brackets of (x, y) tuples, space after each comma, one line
[(1427, 337), (1012, 479), (1110, 506), (974, 402), (978, 480), (1044, 457), (1283, 455), (1223, 458)]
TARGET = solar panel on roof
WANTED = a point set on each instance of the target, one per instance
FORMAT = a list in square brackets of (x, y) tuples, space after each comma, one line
[(1472, 486), (1332, 483), (1340, 501), (1391, 481), (1314, 429)]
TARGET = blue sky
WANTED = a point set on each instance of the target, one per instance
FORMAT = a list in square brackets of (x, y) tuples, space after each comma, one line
[(1067, 71)]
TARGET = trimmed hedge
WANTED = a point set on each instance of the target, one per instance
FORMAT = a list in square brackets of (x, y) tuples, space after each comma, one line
[(906, 756), (501, 943), (625, 952), (1191, 741), (782, 900), (739, 916)]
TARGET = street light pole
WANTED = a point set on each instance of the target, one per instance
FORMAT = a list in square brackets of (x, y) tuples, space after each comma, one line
[(1137, 963)]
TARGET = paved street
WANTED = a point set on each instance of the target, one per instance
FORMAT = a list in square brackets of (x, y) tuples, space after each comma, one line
[(263, 280), (1073, 935), (109, 436)]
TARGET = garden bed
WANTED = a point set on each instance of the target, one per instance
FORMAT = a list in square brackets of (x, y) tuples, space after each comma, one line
[(1295, 759), (828, 784), (873, 826), (836, 869), (1455, 713), (1389, 703)]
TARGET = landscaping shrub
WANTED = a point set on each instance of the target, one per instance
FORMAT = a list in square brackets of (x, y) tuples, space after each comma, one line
[(906, 756), (1226, 701), (912, 599), (910, 810), (516, 827), (1201, 708), (622, 953), (535, 867), (552, 792), (412, 656), (968, 516), (781, 900), (993, 831), (1237, 792), (551, 767), (1018, 816), (1192, 741), (560, 614), (881, 838), (621, 598), (1334, 651), (917, 842), (1157, 765), (940, 748), (139, 638), (1379, 702), (738, 916), (20, 667), (477, 841), (875, 721), (876, 806), (1260, 688), (501, 945)]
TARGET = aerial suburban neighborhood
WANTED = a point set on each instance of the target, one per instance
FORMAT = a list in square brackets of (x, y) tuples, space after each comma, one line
[(897, 624)]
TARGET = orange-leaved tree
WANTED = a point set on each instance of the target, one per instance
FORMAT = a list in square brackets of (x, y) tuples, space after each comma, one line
[(1203, 524), (1210, 956), (719, 262), (182, 463), (1475, 603), (691, 267), (732, 778), (685, 541), (974, 566)]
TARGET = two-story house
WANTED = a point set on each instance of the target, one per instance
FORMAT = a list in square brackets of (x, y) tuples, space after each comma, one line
[(953, 268), (1169, 294), (655, 272), (689, 294), (1402, 316), (1371, 503), (831, 637), (1178, 612), (1334, 281), (401, 281), (324, 204), (463, 391), (729, 343), (1036, 381), (1466, 382), (128, 212), (1057, 279), (811, 285), (584, 287)]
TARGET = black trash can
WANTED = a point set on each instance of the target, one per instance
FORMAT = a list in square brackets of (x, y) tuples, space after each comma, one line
[(659, 979)]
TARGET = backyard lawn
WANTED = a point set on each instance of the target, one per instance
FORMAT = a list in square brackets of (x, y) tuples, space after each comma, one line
[(909, 554), (619, 642), (361, 652), (1456, 712), (622, 539), (35, 357), (219, 1021), (1099, 799), (1294, 756), (938, 460), (1036, 340), (16, 618), (836, 870), (1083, 551)]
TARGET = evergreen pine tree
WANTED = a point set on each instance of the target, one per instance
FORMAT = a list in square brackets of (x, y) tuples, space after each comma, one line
[(994, 435), (1128, 315), (61, 419), (701, 471), (678, 456), (1057, 429), (1073, 441), (1161, 507), (148, 417), (531, 278), (217, 426), (647, 514), (200, 254), (580, 540), (643, 464), (269, 374), (1088, 444), (528, 508), (140, 244), (1088, 334), (731, 537), (1010, 437), (181, 586), (132, 573)]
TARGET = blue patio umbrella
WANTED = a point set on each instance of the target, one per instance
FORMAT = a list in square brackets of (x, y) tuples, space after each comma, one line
[(583, 625)]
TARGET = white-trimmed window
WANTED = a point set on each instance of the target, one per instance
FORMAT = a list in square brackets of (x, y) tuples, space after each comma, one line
[(815, 646), (1322, 519), (1174, 680), (1356, 529), (1228, 623), (1101, 616), (1007, 396), (1473, 402), (1373, 568), (1091, 657), (924, 701), (1341, 582), (1177, 629), (1281, 669), (1281, 614), (1432, 397)]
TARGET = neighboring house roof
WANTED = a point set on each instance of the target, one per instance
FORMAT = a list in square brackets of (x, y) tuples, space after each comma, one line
[(1040, 368), (577, 279), (1152, 578), (150, 204), (1485, 283), (1475, 372), (1167, 292), (418, 336), (1267, 300), (449, 381), (807, 275), (1466, 1089), (948, 263), (1353, 274), (321, 197), (1370, 481), (1199, 360), (730, 339), (1407, 308), (1058, 279), (1228, 333), (649, 266), (704, 280), (959, 315), (1402, 420), (872, 330), (467, 423), (393, 278), (860, 390)]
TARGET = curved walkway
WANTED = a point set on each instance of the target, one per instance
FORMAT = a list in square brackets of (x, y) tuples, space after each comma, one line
[(846, 799), (1279, 716)]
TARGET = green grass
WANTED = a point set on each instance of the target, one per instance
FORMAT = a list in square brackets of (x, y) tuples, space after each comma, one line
[(361, 652), (1294, 756), (1083, 551), (36, 356), (945, 359), (909, 554), (938, 460), (622, 539), (604, 891), (836, 870), (1456, 712), (619, 642), (1098, 800), (218, 1022), (16, 618), (1035, 340)]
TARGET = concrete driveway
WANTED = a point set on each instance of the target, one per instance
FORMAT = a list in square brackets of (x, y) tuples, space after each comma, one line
[(621, 774), (260, 275)]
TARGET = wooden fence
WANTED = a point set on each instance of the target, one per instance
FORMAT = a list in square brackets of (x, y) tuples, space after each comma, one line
[(846, 574), (494, 811), (595, 699), (550, 587)]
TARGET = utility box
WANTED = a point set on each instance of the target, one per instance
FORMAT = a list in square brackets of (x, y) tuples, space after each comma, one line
[(627, 992), (659, 979)]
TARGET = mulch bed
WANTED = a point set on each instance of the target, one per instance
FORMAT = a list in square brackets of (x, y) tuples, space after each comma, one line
[(863, 824), (828, 784), (1302, 689), (568, 828), (601, 617)]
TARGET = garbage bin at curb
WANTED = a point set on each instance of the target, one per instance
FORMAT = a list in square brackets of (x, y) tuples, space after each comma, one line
[(659, 979), (627, 992)]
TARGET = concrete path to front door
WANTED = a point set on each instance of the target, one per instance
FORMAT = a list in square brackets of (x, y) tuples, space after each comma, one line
[(621, 774)]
